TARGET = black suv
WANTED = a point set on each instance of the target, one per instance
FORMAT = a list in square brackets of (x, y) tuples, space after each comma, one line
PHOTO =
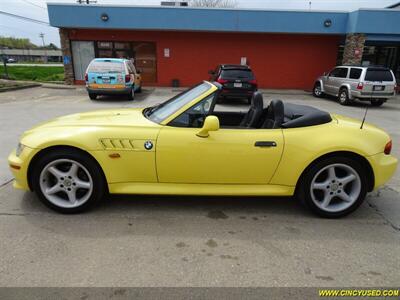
[(238, 81)]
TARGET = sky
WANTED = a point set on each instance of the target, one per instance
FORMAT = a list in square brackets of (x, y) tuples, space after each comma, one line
[(36, 9)]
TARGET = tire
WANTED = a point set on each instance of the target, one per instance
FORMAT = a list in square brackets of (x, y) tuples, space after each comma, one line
[(377, 102), (54, 171), (325, 195), (343, 97), (131, 95), (317, 92), (92, 96)]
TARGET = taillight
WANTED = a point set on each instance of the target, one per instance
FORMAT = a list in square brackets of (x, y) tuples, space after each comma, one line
[(86, 77), (253, 82), (222, 81), (127, 78), (388, 148), (360, 86)]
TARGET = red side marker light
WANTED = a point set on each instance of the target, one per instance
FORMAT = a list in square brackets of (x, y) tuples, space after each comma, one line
[(388, 148)]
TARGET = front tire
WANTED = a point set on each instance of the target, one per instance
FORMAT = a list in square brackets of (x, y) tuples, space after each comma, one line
[(377, 102), (343, 97), (333, 187), (317, 90), (68, 181)]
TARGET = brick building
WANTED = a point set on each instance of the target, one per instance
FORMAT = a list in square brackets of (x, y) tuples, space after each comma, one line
[(285, 48)]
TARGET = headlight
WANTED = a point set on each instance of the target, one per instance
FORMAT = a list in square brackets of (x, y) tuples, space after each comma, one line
[(19, 149)]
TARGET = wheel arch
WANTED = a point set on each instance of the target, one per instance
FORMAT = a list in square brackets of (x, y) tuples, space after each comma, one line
[(46, 150), (348, 88), (348, 154), (321, 84)]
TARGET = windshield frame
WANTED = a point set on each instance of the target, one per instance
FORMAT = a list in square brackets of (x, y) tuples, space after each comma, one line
[(212, 88)]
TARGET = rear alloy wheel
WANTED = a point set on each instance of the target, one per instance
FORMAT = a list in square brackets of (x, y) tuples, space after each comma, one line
[(68, 182), (92, 96), (344, 97), (377, 102), (334, 187), (131, 95), (317, 90)]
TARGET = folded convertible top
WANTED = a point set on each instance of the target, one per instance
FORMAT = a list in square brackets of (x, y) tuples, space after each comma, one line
[(302, 115)]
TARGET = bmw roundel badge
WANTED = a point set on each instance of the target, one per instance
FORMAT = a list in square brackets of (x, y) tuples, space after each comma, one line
[(148, 145)]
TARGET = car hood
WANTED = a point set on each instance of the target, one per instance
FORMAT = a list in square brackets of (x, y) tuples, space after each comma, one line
[(109, 117)]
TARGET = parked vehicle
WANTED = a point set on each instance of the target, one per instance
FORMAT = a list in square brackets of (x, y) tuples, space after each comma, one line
[(374, 84), (184, 147), (110, 76), (11, 60), (238, 81)]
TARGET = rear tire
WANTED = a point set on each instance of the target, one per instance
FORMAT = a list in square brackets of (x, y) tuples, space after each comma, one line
[(317, 90), (131, 95), (377, 102), (66, 189), (92, 96), (333, 194), (343, 97)]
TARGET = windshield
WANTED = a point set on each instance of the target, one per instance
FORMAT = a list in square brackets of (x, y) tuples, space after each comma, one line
[(106, 67), (164, 110)]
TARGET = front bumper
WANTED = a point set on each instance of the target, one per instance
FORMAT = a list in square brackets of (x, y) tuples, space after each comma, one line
[(383, 166), (19, 167)]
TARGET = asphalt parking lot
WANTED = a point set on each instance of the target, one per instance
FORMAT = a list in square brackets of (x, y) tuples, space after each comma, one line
[(191, 241)]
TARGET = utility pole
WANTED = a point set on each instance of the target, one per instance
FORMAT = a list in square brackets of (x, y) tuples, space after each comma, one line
[(309, 5), (41, 35)]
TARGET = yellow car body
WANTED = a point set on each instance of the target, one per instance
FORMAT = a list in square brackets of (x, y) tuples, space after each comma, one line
[(182, 163)]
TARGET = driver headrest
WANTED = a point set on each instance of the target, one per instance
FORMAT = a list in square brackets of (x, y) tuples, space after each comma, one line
[(257, 100)]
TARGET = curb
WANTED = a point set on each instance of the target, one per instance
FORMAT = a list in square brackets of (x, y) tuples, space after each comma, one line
[(21, 87)]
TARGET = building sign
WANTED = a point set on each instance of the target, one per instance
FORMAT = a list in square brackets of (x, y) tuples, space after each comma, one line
[(166, 52), (67, 60)]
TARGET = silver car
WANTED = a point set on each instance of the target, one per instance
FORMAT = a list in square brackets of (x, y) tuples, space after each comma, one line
[(374, 84)]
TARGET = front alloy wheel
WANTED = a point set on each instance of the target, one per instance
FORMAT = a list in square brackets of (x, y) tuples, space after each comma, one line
[(334, 187), (317, 91), (68, 181)]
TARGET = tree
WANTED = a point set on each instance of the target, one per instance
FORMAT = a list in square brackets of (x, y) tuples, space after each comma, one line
[(213, 3)]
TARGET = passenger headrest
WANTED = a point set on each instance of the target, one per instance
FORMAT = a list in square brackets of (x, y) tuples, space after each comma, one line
[(257, 101)]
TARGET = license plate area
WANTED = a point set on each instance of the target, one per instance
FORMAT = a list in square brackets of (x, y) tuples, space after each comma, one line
[(237, 84), (106, 79), (378, 87)]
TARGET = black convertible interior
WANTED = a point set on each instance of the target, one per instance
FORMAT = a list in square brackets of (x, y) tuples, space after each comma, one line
[(275, 115)]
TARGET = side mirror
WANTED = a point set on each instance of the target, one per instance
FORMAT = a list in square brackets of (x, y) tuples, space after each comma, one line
[(211, 72), (211, 123), (325, 73)]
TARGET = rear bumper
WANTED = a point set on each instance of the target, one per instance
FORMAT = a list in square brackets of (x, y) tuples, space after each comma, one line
[(383, 166), (366, 96), (236, 93), (112, 91)]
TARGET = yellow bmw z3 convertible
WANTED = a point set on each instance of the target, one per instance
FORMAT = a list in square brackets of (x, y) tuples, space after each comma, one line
[(185, 146)]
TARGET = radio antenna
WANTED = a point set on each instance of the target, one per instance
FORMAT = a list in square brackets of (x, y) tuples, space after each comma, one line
[(365, 115)]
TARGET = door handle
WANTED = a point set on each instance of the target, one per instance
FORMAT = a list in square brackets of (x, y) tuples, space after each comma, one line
[(265, 144)]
